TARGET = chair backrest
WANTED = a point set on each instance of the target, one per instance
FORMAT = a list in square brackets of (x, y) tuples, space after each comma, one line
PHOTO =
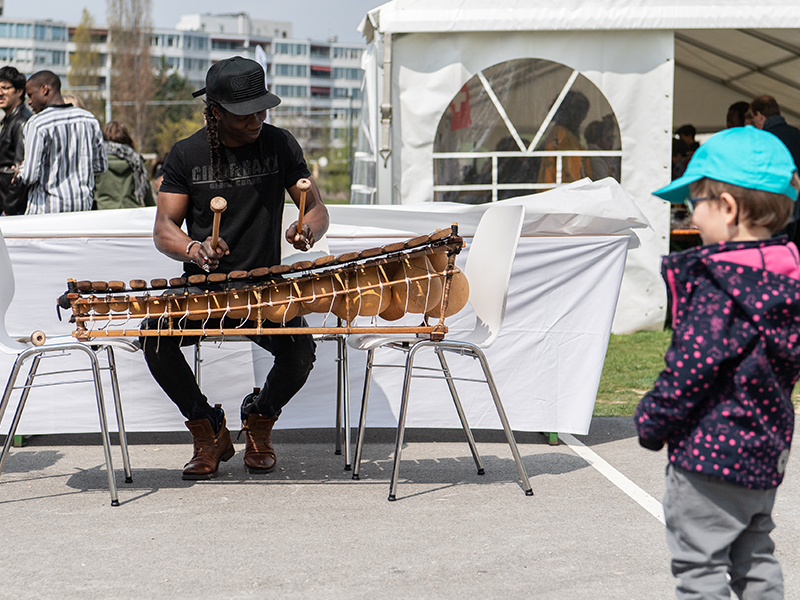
[(488, 269), (290, 254), (6, 296)]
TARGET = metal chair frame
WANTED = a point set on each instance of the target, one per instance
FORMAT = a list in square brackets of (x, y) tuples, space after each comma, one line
[(53, 348), (499, 230)]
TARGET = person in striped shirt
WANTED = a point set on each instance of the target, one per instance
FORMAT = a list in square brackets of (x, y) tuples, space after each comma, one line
[(63, 150)]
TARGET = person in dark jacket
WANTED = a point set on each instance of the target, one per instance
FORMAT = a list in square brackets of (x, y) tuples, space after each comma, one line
[(125, 184), (723, 403), (767, 116), (13, 196)]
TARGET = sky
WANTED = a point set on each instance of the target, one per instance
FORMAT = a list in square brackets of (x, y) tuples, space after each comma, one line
[(330, 17)]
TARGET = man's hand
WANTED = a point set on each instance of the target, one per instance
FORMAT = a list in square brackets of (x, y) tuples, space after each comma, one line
[(205, 257), (303, 240)]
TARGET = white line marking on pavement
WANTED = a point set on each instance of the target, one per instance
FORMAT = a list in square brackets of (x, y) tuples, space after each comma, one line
[(644, 499)]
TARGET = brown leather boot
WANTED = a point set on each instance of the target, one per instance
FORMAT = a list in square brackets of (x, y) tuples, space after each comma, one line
[(209, 449), (259, 457)]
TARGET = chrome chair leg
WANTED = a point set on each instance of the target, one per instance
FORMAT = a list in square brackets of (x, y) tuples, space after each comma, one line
[(101, 410), (363, 417), (12, 379), (504, 420), (401, 421), (461, 414), (123, 436), (344, 399), (339, 379)]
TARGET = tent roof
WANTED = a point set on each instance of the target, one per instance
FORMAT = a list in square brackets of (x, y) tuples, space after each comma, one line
[(725, 50), (403, 16), (745, 62)]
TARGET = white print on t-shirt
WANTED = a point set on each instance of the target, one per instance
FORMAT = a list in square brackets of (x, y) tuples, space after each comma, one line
[(248, 172)]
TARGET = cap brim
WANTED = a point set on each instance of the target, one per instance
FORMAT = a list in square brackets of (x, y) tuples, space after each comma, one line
[(249, 107), (676, 191)]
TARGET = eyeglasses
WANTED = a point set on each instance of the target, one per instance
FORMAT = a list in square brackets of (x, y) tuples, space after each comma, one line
[(690, 203)]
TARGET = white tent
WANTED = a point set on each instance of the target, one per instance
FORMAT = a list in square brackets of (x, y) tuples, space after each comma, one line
[(650, 66)]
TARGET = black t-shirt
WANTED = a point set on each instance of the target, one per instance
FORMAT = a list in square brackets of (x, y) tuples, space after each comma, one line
[(256, 176)]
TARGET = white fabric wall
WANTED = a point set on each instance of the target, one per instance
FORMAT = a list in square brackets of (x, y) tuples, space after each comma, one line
[(634, 70)]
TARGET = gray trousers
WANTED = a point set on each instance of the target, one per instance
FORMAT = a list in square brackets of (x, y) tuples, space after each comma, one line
[(718, 534)]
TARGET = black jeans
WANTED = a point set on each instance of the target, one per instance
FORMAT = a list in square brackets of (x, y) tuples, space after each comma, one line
[(294, 359)]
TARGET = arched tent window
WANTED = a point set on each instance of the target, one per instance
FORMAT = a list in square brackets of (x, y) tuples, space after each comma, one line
[(523, 126)]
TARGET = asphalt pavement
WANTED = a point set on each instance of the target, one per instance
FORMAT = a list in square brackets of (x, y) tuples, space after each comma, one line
[(308, 530)]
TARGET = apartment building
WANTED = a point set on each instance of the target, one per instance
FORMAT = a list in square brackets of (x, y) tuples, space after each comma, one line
[(32, 45), (319, 82)]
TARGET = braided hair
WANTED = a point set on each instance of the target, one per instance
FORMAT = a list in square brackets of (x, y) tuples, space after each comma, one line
[(212, 134)]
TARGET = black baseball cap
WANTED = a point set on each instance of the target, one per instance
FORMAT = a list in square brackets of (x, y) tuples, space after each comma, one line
[(237, 84)]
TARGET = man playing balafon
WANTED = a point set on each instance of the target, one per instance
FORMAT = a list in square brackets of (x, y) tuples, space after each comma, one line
[(250, 164)]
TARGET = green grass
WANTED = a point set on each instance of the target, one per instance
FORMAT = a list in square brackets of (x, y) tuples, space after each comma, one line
[(633, 362)]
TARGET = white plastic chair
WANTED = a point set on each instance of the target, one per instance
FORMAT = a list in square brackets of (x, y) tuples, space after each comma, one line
[(53, 348), (488, 270), (290, 255)]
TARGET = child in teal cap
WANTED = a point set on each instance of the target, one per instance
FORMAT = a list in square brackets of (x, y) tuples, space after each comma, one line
[(723, 403)]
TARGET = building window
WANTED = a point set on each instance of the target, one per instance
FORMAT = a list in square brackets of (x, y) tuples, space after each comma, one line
[(291, 49), (350, 53), (320, 52), (291, 70), (320, 71), (520, 127), (342, 73), (291, 91)]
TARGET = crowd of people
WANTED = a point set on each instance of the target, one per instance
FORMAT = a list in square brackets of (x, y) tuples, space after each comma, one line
[(54, 157), (762, 113)]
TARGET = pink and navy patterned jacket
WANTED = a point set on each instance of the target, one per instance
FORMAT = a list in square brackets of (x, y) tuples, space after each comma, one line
[(723, 402)]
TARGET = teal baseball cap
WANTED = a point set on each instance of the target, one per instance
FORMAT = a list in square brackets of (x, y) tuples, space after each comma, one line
[(743, 156)]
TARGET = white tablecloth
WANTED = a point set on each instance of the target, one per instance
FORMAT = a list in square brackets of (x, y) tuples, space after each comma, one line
[(546, 362)]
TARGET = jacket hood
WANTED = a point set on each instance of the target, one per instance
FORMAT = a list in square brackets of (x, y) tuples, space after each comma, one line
[(759, 281), (118, 166)]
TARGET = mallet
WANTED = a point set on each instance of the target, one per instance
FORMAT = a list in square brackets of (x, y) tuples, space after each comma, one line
[(37, 338), (303, 185), (218, 206)]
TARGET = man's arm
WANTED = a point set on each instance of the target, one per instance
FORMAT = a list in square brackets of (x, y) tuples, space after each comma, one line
[(99, 157), (315, 219), (171, 240), (35, 143)]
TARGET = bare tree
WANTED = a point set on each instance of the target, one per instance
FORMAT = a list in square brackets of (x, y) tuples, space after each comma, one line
[(132, 85), (83, 77)]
